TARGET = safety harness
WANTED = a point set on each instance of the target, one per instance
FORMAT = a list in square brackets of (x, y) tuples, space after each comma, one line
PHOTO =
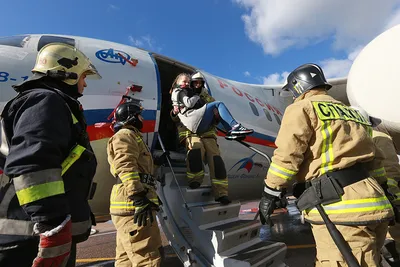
[(328, 188)]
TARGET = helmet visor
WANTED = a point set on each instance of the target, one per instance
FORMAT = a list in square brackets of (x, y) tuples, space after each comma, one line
[(92, 73)]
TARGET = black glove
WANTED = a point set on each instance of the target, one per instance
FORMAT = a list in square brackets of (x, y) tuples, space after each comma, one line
[(268, 203), (143, 209), (298, 189), (161, 160), (282, 202), (391, 198)]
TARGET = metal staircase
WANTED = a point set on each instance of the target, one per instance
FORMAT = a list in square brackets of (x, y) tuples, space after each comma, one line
[(205, 233)]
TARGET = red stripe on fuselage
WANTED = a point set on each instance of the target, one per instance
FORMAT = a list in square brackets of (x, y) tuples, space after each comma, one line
[(255, 140), (103, 130)]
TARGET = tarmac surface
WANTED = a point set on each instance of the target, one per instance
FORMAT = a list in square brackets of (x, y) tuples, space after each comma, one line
[(99, 249)]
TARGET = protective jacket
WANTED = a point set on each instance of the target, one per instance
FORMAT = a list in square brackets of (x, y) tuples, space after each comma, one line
[(50, 164), (390, 163), (185, 102), (131, 164), (318, 135)]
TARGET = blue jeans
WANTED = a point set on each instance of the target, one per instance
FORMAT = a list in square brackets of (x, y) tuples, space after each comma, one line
[(226, 118)]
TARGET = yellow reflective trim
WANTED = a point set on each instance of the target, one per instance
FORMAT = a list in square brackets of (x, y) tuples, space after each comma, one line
[(185, 133), (357, 201), (154, 200), (122, 205), (191, 175), (73, 156), (280, 174), (129, 176), (37, 192), (327, 156), (353, 210), (283, 169), (335, 208), (370, 131), (74, 119), (378, 172), (392, 182), (333, 111), (221, 182)]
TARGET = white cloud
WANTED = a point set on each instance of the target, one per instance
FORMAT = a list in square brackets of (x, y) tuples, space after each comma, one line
[(145, 42), (247, 74), (335, 68), (276, 78), (278, 25), (135, 42)]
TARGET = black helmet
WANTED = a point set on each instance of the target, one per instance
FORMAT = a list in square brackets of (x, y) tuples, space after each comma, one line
[(305, 78), (128, 112)]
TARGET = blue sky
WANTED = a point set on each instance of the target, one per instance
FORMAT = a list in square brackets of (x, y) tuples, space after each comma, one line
[(254, 41)]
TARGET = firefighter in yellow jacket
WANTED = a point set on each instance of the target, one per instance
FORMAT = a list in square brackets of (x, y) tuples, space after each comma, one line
[(392, 168), (328, 145), (203, 146), (133, 201)]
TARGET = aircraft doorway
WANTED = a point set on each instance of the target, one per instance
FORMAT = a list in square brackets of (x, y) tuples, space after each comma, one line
[(168, 70)]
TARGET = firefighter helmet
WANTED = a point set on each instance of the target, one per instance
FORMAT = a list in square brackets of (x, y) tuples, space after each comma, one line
[(196, 77), (305, 78), (64, 62), (128, 112)]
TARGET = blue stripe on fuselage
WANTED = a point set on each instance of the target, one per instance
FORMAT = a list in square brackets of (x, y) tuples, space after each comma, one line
[(100, 115)]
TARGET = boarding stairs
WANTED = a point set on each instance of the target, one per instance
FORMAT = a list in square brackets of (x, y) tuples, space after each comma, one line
[(203, 232)]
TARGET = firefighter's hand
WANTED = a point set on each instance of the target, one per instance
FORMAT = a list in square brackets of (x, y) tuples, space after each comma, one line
[(161, 160), (54, 245), (268, 204), (143, 210)]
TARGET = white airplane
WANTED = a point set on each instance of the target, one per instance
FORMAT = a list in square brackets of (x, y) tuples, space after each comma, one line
[(127, 70)]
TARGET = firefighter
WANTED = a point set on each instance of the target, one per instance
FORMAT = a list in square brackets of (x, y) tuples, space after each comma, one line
[(392, 168), (203, 148), (327, 144), (44, 209), (133, 200)]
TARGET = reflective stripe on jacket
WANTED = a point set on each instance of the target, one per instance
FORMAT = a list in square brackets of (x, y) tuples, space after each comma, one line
[(319, 134), (128, 157)]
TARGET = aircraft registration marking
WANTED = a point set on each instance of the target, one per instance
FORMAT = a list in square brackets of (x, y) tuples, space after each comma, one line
[(5, 77)]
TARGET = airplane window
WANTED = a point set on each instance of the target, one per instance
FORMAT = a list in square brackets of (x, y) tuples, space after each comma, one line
[(46, 39), (254, 109), (277, 119), (267, 114), (17, 41)]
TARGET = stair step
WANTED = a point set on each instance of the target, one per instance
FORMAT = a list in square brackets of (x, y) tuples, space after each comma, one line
[(271, 254), (234, 233), (201, 194), (205, 215), (180, 174)]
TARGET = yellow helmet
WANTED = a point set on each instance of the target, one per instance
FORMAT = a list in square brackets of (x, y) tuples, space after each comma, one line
[(65, 62)]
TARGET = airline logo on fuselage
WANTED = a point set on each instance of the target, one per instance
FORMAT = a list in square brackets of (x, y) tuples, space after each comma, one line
[(113, 56)]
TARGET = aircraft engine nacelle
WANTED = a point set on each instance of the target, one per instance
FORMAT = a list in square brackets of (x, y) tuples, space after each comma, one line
[(373, 82)]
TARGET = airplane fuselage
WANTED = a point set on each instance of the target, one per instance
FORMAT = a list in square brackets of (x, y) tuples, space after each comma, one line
[(148, 76)]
